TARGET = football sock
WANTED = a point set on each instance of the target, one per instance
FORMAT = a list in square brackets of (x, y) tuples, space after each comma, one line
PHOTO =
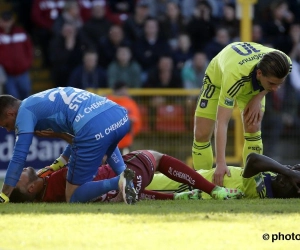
[(153, 195), (93, 189), (178, 171), (253, 143), (202, 155), (116, 162)]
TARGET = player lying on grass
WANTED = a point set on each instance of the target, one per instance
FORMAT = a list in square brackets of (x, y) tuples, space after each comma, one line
[(262, 177), (144, 162), (96, 124)]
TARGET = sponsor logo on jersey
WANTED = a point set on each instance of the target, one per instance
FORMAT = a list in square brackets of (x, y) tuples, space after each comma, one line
[(90, 109), (139, 182), (256, 57), (203, 103), (116, 125), (112, 128), (147, 196), (182, 176), (114, 157), (228, 102)]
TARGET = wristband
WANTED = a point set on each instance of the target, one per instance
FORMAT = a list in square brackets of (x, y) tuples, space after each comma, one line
[(59, 163)]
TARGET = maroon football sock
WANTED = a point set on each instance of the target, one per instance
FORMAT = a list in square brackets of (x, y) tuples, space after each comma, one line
[(178, 171), (153, 195)]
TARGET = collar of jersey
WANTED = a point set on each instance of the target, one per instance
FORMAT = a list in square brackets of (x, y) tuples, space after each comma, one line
[(255, 83)]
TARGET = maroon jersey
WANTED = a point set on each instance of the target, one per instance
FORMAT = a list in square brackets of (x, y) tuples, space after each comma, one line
[(144, 165), (142, 162), (55, 187)]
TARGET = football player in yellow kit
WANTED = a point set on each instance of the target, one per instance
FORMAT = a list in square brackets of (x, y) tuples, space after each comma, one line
[(241, 74), (262, 177)]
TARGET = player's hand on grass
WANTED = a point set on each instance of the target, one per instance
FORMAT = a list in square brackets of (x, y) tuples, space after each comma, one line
[(221, 170), (3, 198)]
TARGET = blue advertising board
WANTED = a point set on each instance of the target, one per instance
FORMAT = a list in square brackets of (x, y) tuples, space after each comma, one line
[(43, 151)]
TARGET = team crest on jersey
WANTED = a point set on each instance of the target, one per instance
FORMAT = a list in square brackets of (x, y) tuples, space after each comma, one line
[(228, 102), (203, 103)]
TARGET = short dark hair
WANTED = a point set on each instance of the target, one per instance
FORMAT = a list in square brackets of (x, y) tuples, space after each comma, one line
[(275, 64), (6, 101), (286, 192), (18, 197)]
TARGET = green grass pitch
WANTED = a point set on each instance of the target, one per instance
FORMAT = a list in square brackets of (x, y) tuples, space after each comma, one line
[(203, 224)]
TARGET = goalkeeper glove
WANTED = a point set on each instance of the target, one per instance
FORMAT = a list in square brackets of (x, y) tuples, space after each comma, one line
[(3, 198), (44, 172), (59, 163)]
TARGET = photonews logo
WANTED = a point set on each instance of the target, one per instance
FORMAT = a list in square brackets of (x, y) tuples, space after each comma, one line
[(281, 237)]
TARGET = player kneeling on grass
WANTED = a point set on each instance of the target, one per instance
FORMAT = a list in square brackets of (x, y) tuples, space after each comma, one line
[(144, 163), (87, 117), (261, 178)]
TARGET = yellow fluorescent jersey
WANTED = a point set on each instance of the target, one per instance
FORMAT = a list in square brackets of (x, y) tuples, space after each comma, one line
[(258, 186), (254, 187), (233, 71)]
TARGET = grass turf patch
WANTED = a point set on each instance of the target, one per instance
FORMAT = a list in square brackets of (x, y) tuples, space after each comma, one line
[(205, 224)]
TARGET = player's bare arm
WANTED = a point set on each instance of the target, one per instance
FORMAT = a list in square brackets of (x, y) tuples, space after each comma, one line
[(257, 163)]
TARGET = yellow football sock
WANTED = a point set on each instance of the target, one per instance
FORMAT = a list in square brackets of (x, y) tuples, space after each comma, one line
[(202, 155), (253, 143)]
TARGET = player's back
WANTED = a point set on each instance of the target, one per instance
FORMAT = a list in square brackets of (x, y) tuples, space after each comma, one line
[(60, 109), (236, 60)]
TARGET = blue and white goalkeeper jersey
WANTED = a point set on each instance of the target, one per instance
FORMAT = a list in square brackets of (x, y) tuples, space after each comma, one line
[(59, 109), (69, 110)]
